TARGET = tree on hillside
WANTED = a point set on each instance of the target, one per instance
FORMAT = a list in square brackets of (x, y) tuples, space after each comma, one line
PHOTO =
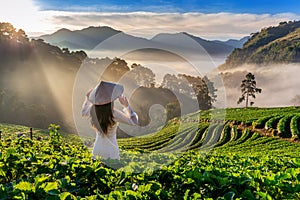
[(115, 70), (9, 32), (248, 89), (211, 89), (171, 82), (200, 89), (296, 100), (204, 90), (142, 75)]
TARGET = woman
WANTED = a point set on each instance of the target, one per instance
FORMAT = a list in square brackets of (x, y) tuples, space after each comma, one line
[(104, 118)]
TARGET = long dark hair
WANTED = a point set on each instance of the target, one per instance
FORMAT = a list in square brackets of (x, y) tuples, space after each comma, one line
[(102, 117)]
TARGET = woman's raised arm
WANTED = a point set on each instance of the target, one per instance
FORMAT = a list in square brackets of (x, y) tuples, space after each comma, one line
[(128, 116)]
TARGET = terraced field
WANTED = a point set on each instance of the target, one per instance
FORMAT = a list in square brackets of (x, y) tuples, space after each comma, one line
[(198, 131), (254, 154)]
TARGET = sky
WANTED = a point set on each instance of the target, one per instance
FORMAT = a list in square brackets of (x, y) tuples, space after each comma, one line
[(209, 19), (203, 6)]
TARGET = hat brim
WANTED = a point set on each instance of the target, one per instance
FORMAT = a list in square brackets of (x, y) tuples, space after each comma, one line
[(105, 92)]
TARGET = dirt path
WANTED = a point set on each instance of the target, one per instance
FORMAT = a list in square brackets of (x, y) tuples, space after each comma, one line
[(268, 133)]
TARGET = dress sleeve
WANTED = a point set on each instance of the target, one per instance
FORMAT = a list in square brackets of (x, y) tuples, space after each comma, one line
[(128, 116)]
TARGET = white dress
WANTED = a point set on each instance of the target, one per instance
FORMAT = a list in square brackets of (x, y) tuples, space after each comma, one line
[(106, 145)]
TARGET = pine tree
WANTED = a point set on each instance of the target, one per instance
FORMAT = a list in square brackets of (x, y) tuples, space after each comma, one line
[(248, 89)]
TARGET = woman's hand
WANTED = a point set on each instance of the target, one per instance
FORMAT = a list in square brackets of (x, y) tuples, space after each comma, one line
[(123, 100)]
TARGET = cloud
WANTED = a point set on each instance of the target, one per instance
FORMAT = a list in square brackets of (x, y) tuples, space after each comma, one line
[(148, 24)]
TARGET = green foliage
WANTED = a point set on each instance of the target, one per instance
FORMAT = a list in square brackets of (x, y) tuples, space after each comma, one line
[(242, 164), (142, 75), (276, 44), (55, 137), (173, 110), (53, 132), (295, 124), (272, 122), (225, 172), (261, 122), (200, 89), (283, 126), (225, 136)]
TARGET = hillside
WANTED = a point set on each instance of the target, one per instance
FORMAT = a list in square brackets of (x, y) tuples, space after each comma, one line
[(197, 161), (34, 77), (272, 45), (207, 129)]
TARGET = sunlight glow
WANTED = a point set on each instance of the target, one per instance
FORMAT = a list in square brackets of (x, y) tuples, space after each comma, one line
[(22, 14)]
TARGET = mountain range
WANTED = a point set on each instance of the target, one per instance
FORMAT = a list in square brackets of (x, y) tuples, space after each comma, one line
[(89, 38)]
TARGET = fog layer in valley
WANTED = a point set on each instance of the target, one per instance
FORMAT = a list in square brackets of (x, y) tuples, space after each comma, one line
[(279, 84)]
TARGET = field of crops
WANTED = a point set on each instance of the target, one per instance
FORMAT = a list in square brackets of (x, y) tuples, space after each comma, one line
[(252, 155), (204, 129)]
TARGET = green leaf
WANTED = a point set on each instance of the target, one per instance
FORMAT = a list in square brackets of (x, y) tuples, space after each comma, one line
[(40, 179), (186, 195), (283, 176), (51, 186), (10, 151), (2, 173), (101, 171), (247, 194), (244, 180), (229, 196), (53, 192), (115, 195), (94, 197), (155, 186), (129, 194), (296, 162), (197, 196), (3, 193), (293, 172), (265, 195), (25, 187), (64, 195)]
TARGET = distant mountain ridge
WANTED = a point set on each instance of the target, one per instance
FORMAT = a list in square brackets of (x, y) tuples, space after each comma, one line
[(235, 43), (215, 47), (272, 45), (84, 39), (88, 38)]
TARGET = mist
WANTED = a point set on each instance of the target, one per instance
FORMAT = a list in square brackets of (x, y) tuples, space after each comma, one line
[(279, 84)]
